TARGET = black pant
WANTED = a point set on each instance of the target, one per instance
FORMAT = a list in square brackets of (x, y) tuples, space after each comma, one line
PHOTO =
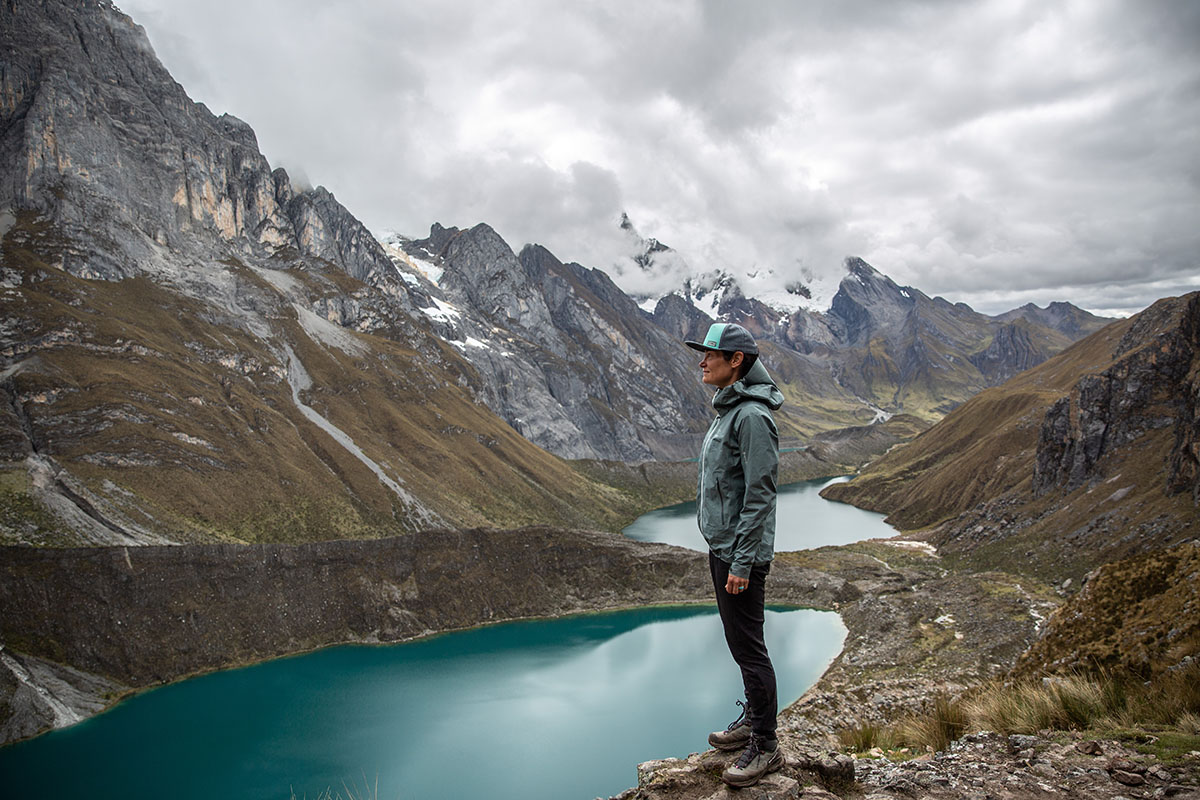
[(742, 615)]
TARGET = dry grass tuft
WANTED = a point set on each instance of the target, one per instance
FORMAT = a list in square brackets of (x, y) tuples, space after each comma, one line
[(866, 737), (936, 729), (1105, 702), (1067, 703)]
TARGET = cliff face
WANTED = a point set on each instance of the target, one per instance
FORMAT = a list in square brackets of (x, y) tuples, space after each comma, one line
[(1151, 385), (103, 144), (192, 349)]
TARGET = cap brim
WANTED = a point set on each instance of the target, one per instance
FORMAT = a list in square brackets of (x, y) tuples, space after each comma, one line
[(697, 346)]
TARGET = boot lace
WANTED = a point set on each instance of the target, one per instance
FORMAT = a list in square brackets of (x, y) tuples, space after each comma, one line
[(741, 717), (753, 750)]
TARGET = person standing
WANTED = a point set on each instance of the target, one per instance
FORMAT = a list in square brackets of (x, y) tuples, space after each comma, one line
[(736, 499)]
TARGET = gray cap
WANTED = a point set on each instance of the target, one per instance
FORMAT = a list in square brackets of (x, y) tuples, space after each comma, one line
[(727, 336)]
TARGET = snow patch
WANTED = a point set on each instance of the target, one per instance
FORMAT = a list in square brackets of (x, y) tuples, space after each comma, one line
[(709, 303), (471, 341), (408, 265), (442, 311), (908, 544), (430, 270), (820, 288)]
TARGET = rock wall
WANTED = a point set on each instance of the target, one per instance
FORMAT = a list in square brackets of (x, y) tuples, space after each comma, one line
[(144, 615), (1152, 385), (97, 137)]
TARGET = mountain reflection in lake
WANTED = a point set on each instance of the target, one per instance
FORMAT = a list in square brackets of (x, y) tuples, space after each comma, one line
[(552, 709), (803, 520)]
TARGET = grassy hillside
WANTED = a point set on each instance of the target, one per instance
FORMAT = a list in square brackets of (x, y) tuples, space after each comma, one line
[(1139, 615), (156, 412)]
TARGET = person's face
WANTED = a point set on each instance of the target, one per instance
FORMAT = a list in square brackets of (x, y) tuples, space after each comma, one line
[(716, 371)]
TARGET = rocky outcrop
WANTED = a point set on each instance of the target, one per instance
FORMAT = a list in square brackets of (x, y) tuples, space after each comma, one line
[(1184, 467), (1011, 350), (36, 694), (680, 318), (980, 766), (868, 303), (1147, 387)]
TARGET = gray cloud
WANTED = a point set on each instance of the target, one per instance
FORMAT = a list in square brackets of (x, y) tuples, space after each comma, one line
[(993, 152)]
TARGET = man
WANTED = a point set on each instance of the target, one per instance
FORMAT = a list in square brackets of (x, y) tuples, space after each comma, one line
[(735, 500)]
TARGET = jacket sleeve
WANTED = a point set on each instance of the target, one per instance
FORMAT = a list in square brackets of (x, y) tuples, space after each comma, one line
[(758, 442)]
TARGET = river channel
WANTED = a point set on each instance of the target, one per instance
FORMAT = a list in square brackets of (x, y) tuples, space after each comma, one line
[(557, 709)]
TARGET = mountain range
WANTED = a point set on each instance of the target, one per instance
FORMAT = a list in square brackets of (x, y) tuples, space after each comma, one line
[(193, 344)]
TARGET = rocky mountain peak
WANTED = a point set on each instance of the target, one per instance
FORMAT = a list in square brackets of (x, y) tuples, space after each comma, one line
[(1061, 316), (868, 302)]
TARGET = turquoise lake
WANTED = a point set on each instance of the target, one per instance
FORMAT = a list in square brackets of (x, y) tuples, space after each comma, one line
[(555, 709), (803, 521), (552, 709)]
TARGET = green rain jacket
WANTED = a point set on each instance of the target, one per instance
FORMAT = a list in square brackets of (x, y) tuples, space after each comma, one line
[(739, 463)]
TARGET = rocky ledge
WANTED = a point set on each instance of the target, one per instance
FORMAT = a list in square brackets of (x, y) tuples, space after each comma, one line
[(981, 766)]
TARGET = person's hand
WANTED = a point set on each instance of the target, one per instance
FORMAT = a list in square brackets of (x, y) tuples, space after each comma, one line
[(736, 585)]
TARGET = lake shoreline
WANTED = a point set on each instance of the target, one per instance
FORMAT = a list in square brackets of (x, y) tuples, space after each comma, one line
[(123, 619), (184, 611)]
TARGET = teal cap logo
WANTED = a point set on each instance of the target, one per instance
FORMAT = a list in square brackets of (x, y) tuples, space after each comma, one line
[(713, 337)]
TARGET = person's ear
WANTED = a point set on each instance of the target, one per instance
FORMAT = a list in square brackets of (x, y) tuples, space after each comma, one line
[(736, 359)]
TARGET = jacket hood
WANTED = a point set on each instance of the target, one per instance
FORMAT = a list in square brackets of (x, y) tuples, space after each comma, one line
[(757, 385)]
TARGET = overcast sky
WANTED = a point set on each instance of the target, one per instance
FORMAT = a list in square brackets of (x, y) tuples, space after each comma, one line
[(995, 153)]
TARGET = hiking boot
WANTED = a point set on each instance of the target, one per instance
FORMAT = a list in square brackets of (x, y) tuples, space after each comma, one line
[(759, 758), (736, 735)]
